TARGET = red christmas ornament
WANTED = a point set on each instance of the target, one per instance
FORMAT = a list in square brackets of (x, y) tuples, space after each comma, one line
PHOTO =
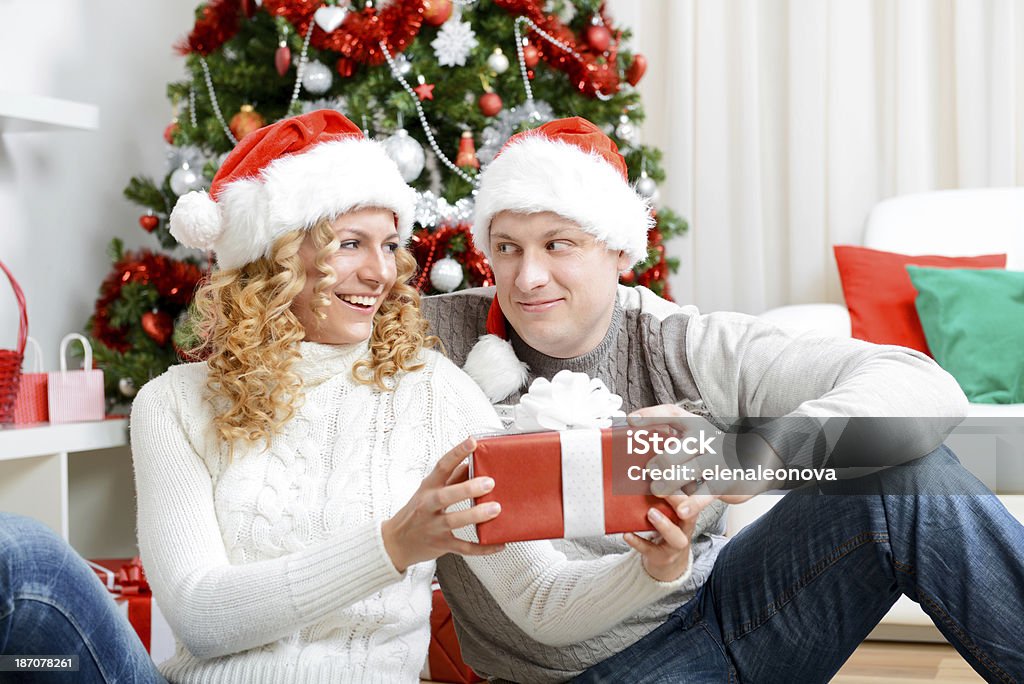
[(467, 152), (531, 55), (490, 104), (169, 132), (599, 38), (282, 58), (627, 278), (158, 325), (637, 69), (149, 222), (249, 7), (425, 91), (436, 12), (246, 121), (345, 67)]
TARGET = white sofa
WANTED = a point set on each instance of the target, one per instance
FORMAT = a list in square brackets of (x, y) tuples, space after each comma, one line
[(947, 223)]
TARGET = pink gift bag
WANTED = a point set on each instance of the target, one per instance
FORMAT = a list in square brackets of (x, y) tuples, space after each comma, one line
[(76, 395), (31, 406)]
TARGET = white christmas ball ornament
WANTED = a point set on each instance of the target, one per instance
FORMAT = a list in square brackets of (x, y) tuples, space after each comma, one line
[(407, 153), (498, 62), (126, 386), (446, 274), (185, 179), (646, 187), (317, 78)]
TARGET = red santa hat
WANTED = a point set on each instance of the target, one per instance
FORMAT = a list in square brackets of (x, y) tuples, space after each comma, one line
[(569, 167), (285, 177)]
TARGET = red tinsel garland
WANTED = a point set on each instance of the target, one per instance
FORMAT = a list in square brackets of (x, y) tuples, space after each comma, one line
[(429, 246), (175, 281), (358, 38), (217, 25), (595, 72)]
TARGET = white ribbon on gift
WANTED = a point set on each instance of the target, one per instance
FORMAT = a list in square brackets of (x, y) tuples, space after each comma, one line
[(578, 406), (582, 483)]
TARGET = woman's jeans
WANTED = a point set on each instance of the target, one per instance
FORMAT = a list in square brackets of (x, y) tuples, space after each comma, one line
[(53, 604), (794, 594)]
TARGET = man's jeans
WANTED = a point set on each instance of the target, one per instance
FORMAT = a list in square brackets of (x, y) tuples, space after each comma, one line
[(52, 604), (794, 594)]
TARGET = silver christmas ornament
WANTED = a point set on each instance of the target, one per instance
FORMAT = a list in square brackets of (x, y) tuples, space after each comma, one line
[(446, 274), (625, 131), (405, 151), (185, 179), (317, 78), (403, 65), (646, 187), (126, 386), (498, 62)]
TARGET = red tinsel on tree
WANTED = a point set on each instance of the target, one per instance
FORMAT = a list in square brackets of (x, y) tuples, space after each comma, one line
[(217, 25), (175, 281), (595, 72), (454, 241)]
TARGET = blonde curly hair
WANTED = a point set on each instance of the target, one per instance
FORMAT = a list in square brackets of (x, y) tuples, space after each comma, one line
[(250, 337)]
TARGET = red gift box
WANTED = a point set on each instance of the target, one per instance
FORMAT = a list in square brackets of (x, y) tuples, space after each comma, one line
[(538, 502), (444, 658), (126, 580)]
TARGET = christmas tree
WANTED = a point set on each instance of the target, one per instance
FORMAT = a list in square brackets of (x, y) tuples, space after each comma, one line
[(442, 84)]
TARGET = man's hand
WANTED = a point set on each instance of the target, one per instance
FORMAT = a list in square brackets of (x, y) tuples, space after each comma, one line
[(667, 556)]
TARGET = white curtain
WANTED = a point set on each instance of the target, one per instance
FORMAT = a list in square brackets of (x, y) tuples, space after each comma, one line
[(784, 121)]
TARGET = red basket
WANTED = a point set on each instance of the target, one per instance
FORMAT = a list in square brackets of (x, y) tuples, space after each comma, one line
[(10, 359)]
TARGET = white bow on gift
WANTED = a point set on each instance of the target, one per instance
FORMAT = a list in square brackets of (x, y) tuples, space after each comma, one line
[(568, 401)]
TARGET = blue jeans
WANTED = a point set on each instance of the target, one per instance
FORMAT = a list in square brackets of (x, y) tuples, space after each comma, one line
[(795, 593), (52, 603)]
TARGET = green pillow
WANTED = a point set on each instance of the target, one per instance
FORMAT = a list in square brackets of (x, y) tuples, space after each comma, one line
[(973, 320)]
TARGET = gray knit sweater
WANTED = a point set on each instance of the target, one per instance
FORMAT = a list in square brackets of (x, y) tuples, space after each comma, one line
[(720, 365)]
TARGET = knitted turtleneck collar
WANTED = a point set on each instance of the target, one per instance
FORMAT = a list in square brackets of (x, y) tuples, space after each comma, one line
[(321, 362)]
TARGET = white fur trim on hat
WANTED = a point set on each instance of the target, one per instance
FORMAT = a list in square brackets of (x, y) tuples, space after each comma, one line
[(537, 173), (296, 191), (494, 366), (195, 221)]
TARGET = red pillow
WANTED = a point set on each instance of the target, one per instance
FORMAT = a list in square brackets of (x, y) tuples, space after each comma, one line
[(880, 296)]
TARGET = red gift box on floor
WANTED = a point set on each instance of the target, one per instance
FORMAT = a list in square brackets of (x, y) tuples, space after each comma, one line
[(555, 485), (444, 658), (126, 580)]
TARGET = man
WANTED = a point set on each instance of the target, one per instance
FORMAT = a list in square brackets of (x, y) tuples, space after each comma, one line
[(791, 597)]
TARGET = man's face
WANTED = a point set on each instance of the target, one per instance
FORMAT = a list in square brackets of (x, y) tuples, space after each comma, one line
[(556, 283)]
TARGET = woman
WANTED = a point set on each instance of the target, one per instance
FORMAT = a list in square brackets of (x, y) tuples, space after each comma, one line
[(290, 491)]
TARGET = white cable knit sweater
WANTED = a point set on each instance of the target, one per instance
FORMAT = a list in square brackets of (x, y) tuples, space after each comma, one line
[(270, 567)]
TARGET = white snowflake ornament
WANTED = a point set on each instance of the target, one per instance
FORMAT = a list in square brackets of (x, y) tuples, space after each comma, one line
[(453, 43)]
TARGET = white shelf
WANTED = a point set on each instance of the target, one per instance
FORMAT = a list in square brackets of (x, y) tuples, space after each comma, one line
[(21, 113), (46, 439), (34, 466)]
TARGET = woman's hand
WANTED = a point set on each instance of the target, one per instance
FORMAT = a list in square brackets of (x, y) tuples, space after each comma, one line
[(422, 530)]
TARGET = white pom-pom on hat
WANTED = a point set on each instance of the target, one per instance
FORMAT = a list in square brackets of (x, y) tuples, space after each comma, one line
[(195, 221)]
